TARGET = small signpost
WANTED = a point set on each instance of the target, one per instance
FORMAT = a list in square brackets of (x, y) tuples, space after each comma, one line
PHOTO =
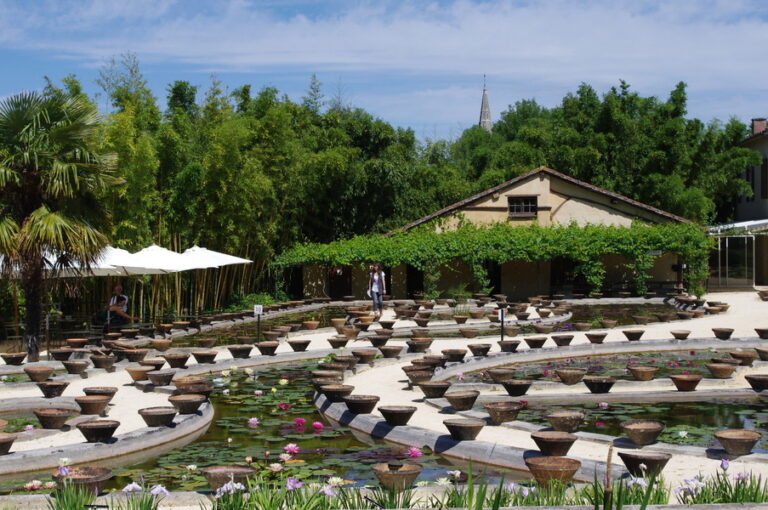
[(257, 311), (501, 319)]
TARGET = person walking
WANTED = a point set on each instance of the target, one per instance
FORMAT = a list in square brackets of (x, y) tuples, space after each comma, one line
[(377, 287)]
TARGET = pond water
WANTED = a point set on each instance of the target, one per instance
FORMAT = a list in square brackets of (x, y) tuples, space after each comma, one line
[(687, 423), (229, 335), (691, 361), (286, 415), (621, 313)]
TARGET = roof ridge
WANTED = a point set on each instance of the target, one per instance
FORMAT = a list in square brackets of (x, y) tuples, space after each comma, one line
[(530, 173)]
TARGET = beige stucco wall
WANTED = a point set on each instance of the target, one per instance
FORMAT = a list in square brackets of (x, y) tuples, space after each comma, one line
[(560, 203), (314, 278)]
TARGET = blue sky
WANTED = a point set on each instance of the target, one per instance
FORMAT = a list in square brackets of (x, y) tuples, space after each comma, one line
[(413, 63)]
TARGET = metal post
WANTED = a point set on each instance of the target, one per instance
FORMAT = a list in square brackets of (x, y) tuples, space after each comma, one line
[(258, 328), (501, 314)]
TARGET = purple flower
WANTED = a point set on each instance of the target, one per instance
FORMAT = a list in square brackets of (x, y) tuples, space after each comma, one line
[(328, 491), (63, 471), (293, 484), (159, 490), (724, 464), (27, 428), (132, 487), (602, 405)]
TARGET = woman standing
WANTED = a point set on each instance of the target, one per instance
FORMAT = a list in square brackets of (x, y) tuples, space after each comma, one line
[(377, 287)]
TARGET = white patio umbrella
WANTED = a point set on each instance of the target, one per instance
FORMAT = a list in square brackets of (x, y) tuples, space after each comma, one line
[(157, 259), (203, 258)]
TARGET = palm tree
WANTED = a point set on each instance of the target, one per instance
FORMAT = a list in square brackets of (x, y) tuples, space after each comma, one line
[(51, 178)]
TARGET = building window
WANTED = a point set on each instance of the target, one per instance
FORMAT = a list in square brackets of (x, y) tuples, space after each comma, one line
[(522, 206)]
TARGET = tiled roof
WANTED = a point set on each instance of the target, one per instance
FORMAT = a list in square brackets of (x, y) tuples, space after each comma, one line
[(532, 173)]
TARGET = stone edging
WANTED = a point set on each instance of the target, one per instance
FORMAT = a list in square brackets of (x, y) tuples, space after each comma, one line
[(128, 448), (605, 349)]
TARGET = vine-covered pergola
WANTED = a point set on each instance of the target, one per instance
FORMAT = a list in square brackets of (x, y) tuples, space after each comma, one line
[(428, 250)]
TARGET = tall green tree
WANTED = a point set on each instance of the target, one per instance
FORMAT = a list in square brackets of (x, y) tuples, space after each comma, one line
[(51, 177)]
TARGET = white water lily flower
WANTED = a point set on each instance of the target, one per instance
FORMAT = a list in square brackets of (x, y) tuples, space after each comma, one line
[(233, 368), (192, 467), (683, 433), (335, 481), (442, 482), (248, 371), (225, 373), (422, 483), (64, 461)]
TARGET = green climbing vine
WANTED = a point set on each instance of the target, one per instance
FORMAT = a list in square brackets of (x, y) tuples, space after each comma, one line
[(428, 250)]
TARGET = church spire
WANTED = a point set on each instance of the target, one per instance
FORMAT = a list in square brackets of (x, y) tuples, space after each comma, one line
[(485, 111)]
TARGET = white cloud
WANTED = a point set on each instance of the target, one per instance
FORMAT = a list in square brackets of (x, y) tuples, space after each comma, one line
[(717, 46)]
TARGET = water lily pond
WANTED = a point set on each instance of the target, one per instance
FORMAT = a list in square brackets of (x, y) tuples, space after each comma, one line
[(229, 336), (268, 416), (621, 313), (690, 361), (687, 423)]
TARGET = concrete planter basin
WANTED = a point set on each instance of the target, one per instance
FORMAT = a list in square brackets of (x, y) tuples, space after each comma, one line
[(597, 384), (517, 387), (505, 411), (463, 429), (479, 350), (462, 400), (508, 345), (596, 338), (565, 421), (52, 389), (643, 464), (161, 377), (721, 370), (549, 469), (501, 374), (553, 443), (158, 416), (397, 416), (93, 404), (52, 418), (396, 478), (337, 392), (434, 389), (391, 351), (562, 340), (642, 373), (98, 431), (455, 355), (686, 382), (738, 442), (205, 357), (188, 403), (361, 404), (38, 373), (642, 432), (571, 376)]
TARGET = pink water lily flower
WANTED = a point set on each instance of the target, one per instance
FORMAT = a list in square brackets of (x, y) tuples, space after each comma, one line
[(253, 422), (291, 448), (300, 422), (317, 425), (284, 407), (414, 453)]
